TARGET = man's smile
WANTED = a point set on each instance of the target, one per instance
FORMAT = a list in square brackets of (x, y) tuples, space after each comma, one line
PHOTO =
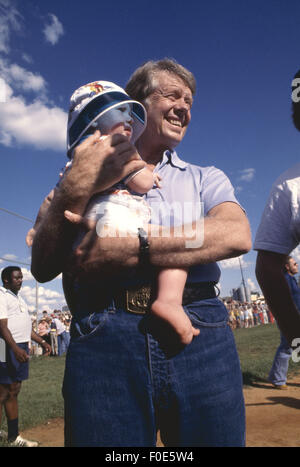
[(174, 122)]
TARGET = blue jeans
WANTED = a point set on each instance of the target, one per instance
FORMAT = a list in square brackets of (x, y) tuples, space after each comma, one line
[(126, 377), (62, 343), (279, 370)]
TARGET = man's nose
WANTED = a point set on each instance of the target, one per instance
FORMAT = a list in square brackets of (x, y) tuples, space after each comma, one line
[(182, 106)]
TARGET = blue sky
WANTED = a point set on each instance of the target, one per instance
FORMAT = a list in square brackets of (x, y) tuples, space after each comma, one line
[(243, 54)]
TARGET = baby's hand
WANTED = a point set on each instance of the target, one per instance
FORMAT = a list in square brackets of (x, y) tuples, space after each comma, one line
[(157, 180)]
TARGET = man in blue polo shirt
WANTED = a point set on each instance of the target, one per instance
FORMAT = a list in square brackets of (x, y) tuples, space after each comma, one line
[(126, 376)]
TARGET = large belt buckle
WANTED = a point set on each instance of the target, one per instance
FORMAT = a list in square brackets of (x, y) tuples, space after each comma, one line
[(137, 301)]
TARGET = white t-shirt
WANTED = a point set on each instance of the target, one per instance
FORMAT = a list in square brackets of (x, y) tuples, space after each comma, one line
[(59, 326), (279, 229), (14, 309)]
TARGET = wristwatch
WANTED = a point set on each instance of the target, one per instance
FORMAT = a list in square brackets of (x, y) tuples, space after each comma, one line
[(144, 247)]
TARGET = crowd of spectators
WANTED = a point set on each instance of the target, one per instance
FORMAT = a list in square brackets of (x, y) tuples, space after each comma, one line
[(248, 315), (54, 328)]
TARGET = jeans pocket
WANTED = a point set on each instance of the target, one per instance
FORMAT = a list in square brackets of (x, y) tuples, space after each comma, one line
[(82, 328), (210, 313)]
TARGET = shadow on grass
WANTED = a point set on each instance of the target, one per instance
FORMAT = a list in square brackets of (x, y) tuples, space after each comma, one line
[(251, 379), (254, 380)]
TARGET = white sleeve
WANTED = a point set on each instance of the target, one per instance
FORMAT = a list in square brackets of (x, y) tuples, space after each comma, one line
[(275, 232), (3, 306)]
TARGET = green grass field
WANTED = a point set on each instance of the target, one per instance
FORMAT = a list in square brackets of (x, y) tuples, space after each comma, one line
[(256, 347), (41, 399)]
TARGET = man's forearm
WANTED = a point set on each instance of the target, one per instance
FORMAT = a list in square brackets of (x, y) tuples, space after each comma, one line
[(223, 238), (55, 235), (36, 338), (204, 242)]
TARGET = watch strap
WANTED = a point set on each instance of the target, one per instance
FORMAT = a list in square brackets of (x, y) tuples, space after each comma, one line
[(144, 247)]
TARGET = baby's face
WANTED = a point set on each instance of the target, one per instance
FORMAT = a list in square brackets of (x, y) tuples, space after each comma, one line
[(117, 120)]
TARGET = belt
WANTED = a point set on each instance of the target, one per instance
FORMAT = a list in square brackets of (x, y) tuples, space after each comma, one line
[(138, 300)]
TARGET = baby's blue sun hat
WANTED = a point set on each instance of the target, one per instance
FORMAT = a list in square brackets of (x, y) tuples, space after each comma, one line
[(89, 102)]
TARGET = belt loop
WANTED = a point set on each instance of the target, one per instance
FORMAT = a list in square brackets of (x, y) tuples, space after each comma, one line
[(218, 290), (112, 305)]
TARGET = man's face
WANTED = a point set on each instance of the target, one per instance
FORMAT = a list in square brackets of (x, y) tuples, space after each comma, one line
[(168, 110), (292, 267), (15, 282)]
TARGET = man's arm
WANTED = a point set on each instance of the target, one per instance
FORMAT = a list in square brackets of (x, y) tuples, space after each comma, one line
[(39, 340), (226, 235), (97, 165), (41, 214), (20, 354), (270, 275)]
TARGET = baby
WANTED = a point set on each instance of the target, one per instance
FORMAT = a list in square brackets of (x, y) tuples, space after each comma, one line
[(121, 209)]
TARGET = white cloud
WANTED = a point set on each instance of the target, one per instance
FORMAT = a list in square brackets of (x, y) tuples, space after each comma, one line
[(247, 175), (47, 299), (54, 30), (10, 21), (296, 253), (23, 79), (233, 263), (251, 284), (27, 276), (10, 257), (36, 123)]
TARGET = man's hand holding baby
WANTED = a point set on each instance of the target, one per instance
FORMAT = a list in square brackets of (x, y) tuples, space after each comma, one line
[(99, 163)]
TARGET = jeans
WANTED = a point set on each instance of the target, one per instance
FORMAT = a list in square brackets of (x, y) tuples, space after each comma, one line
[(126, 377), (62, 342), (279, 370), (54, 344)]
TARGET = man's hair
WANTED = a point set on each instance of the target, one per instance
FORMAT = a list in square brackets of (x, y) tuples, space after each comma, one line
[(7, 272), (287, 263), (296, 106), (142, 82)]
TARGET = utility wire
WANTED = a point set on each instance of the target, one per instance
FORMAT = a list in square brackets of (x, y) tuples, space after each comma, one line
[(14, 261), (17, 215), (21, 217)]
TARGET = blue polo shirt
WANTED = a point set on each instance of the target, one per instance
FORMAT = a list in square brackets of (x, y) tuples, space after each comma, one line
[(294, 288), (188, 192)]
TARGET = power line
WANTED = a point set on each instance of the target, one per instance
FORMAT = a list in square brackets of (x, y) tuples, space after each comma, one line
[(17, 215), (20, 262), (21, 217), (14, 261)]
